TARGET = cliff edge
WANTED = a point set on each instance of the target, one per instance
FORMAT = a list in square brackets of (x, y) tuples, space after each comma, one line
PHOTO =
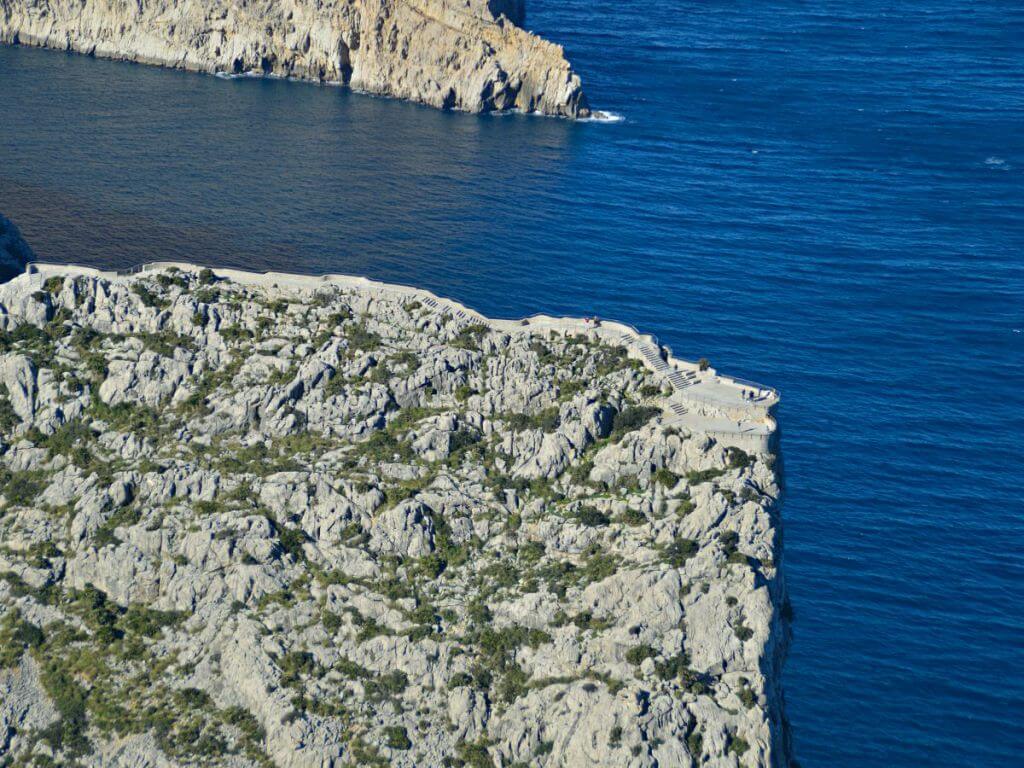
[(467, 55)]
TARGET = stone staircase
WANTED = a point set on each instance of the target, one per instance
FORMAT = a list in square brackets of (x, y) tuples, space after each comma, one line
[(461, 317), (652, 356)]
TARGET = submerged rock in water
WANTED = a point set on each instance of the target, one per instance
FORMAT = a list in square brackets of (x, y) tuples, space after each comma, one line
[(289, 523), (469, 56)]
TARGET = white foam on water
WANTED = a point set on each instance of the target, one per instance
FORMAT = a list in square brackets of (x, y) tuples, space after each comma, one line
[(997, 163), (597, 116)]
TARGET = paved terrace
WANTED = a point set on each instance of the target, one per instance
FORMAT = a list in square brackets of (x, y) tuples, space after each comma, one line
[(731, 410)]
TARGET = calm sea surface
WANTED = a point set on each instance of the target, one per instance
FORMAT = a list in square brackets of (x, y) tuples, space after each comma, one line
[(828, 197)]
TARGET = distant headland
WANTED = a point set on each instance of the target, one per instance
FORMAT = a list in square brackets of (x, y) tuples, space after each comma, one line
[(471, 56)]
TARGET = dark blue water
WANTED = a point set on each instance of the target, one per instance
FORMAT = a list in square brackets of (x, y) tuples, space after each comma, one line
[(827, 197)]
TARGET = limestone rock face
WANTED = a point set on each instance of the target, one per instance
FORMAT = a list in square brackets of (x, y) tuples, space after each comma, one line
[(305, 524), (467, 55)]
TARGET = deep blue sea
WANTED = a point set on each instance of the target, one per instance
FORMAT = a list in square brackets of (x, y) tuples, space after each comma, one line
[(827, 197)]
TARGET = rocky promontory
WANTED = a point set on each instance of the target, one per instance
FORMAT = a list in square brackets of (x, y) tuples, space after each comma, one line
[(466, 55), (277, 521)]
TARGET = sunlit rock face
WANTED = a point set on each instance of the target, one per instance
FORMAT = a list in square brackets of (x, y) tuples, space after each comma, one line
[(467, 55), (301, 524)]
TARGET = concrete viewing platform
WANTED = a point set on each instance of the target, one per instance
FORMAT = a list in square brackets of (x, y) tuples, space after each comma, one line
[(733, 411)]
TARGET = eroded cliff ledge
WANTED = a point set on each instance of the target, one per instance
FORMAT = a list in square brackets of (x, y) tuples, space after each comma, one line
[(466, 55)]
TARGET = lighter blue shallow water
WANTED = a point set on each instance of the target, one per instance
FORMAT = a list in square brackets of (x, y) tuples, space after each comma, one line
[(826, 197)]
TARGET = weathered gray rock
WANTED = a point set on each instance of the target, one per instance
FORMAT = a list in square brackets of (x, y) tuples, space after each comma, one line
[(333, 527)]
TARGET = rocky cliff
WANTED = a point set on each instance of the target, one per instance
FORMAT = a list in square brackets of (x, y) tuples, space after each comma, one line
[(267, 524), (467, 55)]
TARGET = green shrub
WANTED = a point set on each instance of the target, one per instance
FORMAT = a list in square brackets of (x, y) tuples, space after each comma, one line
[(695, 744), (459, 680), (361, 339), (592, 517), (8, 418), (396, 737), (71, 439), (737, 458), (672, 667), (666, 477), (149, 622), (531, 551), (390, 684), (547, 420), (22, 489), (470, 336), (738, 746), (474, 755), (16, 635), (513, 684), (679, 551), (53, 284), (599, 566), (633, 517), (296, 664), (747, 696), (69, 699), (147, 297), (632, 418), (748, 494), (640, 653), (696, 477)]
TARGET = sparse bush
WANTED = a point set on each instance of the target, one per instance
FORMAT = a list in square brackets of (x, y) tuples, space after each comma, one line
[(592, 517), (396, 737), (632, 418), (679, 551), (744, 633), (695, 744), (665, 477), (748, 697), (22, 489), (737, 458), (696, 477), (738, 746), (361, 339), (640, 653), (470, 336)]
